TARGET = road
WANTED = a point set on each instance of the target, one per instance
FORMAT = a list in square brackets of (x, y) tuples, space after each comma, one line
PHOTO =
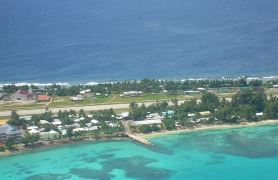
[(85, 108)]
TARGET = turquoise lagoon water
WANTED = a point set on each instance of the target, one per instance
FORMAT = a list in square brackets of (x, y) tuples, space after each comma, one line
[(246, 153)]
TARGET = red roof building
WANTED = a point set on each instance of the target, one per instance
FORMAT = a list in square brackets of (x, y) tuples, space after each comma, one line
[(23, 95), (43, 98)]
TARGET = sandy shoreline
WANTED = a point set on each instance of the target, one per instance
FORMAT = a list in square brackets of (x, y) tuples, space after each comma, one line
[(208, 127), (42, 146), (145, 136)]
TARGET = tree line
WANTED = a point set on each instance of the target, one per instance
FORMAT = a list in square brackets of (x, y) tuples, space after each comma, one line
[(244, 106), (145, 85)]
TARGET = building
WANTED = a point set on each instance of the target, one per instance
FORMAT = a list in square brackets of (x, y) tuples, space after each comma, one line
[(259, 114), (9, 131), (23, 95), (132, 93), (153, 118), (191, 92), (57, 122), (146, 122), (34, 131), (77, 98), (112, 125), (49, 135), (205, 113), (94, 121), (26, 118), (86, 93), (123, 115), (44, 122), (43, 98), (168, 113), (32, 127), (191, 114), (75, 130), (201, 89)]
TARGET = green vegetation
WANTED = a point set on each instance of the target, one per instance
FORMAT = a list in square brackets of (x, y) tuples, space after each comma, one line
[(2, 148), (109, 93), (30, 139), (149, 128), (169, 124), (145, 85), (9, 143), (107, 124), (245, 105), (15, 120)]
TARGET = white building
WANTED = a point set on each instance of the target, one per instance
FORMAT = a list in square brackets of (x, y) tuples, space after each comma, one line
[(32, 127), (146, 122), (205, 113), (44, 122), (34, 131), (77, 98), (94, 121), (259, 114), (76, 125), (123, 115), (191, 115), (113, 125), (78, 130), (132, 93), (92, 128), (57, 122), (49, 135)]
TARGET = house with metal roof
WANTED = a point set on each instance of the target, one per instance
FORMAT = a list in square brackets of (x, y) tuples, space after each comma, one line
[(22, 95)]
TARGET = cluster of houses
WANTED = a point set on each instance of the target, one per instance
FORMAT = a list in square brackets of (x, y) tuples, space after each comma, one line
[(50, 130), (60, 129), (25, 95), (155, 118)]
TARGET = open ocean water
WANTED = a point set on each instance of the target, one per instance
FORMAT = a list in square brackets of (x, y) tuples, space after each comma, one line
[(86, 40), (247, 153)]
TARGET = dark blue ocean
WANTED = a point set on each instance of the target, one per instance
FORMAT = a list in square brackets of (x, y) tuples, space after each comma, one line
[(87, 40)]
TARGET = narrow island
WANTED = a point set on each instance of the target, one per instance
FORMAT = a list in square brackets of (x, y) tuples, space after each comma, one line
[(154, 108)]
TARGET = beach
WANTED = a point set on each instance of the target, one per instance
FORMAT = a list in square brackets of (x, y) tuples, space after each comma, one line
[(207, 127), (56, 143), (141, 136)]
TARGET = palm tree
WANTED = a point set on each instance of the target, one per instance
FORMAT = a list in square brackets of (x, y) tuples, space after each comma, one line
[(133, 105), (175, 102)]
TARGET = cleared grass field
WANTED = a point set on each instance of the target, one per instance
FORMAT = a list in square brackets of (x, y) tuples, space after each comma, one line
[(58, 101), (115, 99), (66, 101), (16, 106)]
